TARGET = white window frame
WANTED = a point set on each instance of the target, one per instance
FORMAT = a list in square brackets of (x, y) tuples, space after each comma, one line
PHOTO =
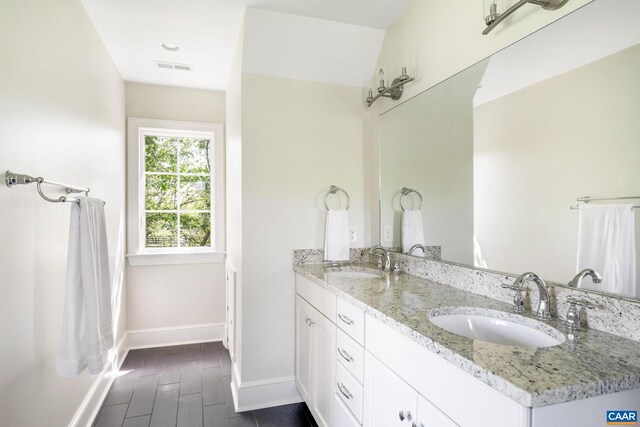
[(138, 254)]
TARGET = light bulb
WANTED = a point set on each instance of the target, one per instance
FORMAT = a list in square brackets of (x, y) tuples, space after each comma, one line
[(382, 87)]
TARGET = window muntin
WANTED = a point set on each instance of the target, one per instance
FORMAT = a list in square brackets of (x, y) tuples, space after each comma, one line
[(177, 197)]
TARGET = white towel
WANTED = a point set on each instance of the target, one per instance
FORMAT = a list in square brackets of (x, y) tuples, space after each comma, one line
[(336, 236), (412, 232), (87, 328), (607, 244)]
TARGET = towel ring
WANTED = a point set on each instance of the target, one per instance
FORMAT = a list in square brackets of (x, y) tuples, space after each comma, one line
[(333, 190), (406, 191)]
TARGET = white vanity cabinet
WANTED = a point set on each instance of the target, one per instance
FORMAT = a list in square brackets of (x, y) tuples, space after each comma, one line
[(315, 360), (390, 401)]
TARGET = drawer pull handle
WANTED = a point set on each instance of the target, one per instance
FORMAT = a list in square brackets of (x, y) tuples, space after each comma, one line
[(344, 391), (402, 416), (346, 356), (345, 319)]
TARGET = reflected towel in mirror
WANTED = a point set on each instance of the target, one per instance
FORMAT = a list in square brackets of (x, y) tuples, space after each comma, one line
[(412, 230), (607, 244)]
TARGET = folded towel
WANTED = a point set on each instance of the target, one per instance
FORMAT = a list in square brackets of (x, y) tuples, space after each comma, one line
[(87, 329), (607, 244), (336, 236), (412, 232)]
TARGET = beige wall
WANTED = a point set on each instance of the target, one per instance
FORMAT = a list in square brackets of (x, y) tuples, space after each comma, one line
[(528, 172), (175, 295), (61, 117), (297, 139)]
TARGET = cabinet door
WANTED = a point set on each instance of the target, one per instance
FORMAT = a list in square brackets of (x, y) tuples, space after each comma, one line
[(430, 416), (388, 400), (304, 314), (323, 368)]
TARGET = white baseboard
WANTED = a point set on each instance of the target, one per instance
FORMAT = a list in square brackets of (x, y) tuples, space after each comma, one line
[(92, 402), (250, 395), (159, 337)]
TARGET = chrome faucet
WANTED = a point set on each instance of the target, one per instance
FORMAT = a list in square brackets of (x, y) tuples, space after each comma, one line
[(575, 282), (386, 265), (543, 307), (418, 246)]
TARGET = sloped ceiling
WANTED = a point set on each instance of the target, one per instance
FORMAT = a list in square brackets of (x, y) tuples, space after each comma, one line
[(309, 49)]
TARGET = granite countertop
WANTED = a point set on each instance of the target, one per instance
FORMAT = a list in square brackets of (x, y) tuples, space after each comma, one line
[(588, 363)]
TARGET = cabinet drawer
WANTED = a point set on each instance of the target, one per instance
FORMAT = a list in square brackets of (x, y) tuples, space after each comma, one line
[(350, 319), (349, 390), (351, 355), (323, 300), (342, 417)]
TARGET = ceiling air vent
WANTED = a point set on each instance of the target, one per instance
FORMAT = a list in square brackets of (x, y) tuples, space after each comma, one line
[(173, 66)]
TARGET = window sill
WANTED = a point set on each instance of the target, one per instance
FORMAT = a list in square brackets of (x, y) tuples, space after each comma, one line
[(175, 258)]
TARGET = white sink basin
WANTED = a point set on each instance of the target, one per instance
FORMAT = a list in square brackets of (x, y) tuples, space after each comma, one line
[(351, 275), (496, 327)]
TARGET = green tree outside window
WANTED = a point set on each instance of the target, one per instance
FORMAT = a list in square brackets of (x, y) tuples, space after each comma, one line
[(177, 192)]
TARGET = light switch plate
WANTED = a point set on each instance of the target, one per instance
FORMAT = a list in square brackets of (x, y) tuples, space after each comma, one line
[(387, 233), (352, 234)]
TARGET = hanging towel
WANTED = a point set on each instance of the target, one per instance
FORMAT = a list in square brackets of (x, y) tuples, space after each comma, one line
[(607, 244), (336, 236), (412, 232), (87, 330)]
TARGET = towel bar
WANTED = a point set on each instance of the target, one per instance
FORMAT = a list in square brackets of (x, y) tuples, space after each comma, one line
[(12, 178), (587, 199)]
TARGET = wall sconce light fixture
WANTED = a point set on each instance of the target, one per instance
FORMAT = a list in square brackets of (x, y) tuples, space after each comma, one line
[(394, 91), (492, 16)]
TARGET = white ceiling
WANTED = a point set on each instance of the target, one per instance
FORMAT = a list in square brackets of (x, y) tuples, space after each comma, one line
[(309, 49), (207, 32)]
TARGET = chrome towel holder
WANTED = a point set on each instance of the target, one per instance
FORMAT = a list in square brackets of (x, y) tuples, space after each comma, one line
[(333, 190), (405, 192), (587, 199), (12, 178)]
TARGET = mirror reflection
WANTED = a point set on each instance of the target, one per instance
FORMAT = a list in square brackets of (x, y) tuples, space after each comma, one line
[(500, 153)]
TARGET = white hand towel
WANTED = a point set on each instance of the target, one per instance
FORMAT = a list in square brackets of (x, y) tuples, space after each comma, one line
[(607, 244), (412, 232), (87, 329), (336, 236)]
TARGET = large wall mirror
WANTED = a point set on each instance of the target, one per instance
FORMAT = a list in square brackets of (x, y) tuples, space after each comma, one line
[(500, 152)]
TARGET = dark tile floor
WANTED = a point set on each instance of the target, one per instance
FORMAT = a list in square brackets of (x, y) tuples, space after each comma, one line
[(185, 386)]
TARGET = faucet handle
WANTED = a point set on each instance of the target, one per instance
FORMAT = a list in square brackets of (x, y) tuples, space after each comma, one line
[(581, 302), (572, 322), (518, 298)]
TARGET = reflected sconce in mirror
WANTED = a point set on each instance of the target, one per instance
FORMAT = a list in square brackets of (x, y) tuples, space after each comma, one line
[(493, 17), (394, 91)]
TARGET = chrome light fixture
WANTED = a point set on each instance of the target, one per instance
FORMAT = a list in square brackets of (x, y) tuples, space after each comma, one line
[(493, 17), (394, 91)]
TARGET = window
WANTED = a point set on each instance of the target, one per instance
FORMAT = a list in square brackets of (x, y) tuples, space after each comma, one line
[(175, 197)]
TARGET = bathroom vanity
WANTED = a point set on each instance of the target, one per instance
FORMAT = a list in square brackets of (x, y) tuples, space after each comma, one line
[(368, 354)]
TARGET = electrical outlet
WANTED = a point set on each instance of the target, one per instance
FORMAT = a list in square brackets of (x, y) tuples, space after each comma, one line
[(352, 234), (387, 233)]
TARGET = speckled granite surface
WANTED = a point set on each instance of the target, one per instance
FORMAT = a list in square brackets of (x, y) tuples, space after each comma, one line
[(588, 363), (612, 314)]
